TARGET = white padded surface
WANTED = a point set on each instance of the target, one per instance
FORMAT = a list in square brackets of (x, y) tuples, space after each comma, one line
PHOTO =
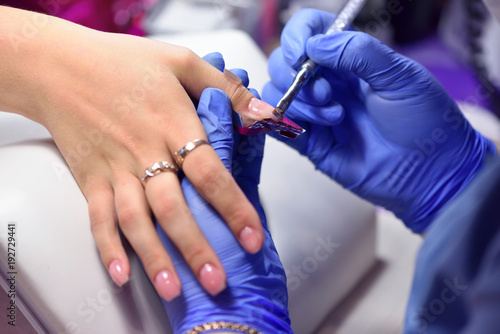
[(60, 276), (325, 235), (59, 271)]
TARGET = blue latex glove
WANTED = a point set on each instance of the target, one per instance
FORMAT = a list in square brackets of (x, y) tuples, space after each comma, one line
[(256, 292), (376, 122)]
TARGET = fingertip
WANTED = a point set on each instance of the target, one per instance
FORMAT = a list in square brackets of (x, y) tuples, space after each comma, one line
[(216, 60), (336, 115), (119, 271), (167, 285), (212, 278), (214, 101), (251, 239), (209, 94), (215, 112)]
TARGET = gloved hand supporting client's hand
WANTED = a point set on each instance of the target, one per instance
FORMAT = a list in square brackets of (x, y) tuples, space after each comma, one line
[(256, 293)]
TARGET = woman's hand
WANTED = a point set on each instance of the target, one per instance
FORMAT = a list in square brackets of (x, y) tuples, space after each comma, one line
[(115, 105)]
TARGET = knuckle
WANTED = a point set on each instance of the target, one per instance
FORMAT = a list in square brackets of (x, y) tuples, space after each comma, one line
[(128, 216), (133, 144), (168, 207), (236, 91), (212, 180), (193, 252), (97, 224), (93, 186), (360, 41), (184, 57)]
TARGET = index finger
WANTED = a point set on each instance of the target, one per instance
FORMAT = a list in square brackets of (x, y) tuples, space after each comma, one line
[(195, 75)]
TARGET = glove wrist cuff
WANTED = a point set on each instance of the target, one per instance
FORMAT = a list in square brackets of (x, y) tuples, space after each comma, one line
[(439, 197)]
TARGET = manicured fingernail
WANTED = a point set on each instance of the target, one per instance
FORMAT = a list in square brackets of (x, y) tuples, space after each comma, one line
[(167, 285), (260, 108), (117, 272), (250, 240), (212, 279)]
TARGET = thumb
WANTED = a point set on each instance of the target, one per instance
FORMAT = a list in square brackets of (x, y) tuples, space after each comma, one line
[(214, 110), (371, 60)]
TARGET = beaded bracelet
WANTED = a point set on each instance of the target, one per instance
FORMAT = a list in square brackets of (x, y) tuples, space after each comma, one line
[(217, 325)]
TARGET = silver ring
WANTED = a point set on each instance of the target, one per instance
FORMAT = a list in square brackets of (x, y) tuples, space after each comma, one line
[(157, 168), (181, 154)]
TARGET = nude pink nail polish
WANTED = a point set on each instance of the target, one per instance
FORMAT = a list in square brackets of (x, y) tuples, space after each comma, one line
[(250, 240), (117, 273), (167, 285), (260, 108), (212, 279)]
